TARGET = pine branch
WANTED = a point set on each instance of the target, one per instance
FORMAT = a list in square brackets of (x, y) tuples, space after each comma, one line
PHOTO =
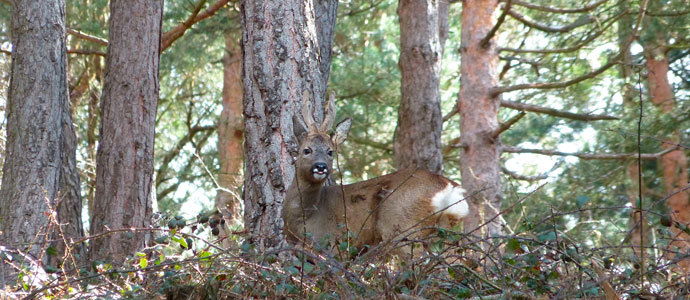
[(523, 177), (373, 144), (88, 37), (583, 20), (555, 85), (571, 48), (588, 156), (173, 34), (85, 52), (485, 41), (507, 124), (555, 112), (556, 10)]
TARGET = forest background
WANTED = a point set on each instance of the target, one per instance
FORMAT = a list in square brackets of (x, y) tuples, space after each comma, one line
[(593, 101)]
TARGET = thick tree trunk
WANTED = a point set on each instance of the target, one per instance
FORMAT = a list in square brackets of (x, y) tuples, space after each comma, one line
[(39, 131), (418, 136), (674, 165), (282, 58), (124, 163), (231, 133), (479, 112)]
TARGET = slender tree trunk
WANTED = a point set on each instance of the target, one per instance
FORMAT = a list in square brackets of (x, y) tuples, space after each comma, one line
[(282, 58), (418, 136), (124, 163), (674, 165), (479, 112), (38, 163), (231, 133)]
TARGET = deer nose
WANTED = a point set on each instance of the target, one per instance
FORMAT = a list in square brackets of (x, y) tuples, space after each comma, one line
[(320, 168)]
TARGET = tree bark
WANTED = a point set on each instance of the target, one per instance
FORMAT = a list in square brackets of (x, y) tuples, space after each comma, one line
[(418, 135), (124, 162), (674, 165), (231, 134), (39, 135), (282, 57), (480, 165)]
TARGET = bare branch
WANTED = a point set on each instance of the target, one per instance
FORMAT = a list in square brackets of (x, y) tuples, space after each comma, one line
[(172, 35), (168, 157), (555, 85), (85, 52), (571, 48), (523, 177), (88, 37), (555, 112), (485, 41), (373, 144), (668, 13), (452, 113), (588, 156), (585, 8), (583, 20), (507, 124)]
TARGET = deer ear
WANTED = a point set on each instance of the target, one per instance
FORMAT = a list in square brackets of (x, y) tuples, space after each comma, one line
[(299, 129), (341, 131)]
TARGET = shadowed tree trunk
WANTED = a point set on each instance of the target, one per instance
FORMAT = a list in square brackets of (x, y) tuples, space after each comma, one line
[(124, 163), (231, 134), (418, 135), (479, 163), (39, 172), (282, 54), (674, 165)]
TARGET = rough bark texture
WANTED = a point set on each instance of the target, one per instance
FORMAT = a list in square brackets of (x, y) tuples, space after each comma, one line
[(480, 166), (128, 109), (231, 134), (418, 136), (39, 130), (674, 165), (281, 60)]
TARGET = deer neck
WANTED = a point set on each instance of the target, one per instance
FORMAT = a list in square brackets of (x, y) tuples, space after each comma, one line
[(303, 199)]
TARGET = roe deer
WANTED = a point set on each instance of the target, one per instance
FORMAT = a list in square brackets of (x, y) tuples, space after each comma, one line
[(378, 209)]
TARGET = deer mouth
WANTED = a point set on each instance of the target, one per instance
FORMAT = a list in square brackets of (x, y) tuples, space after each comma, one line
[(319, 174)]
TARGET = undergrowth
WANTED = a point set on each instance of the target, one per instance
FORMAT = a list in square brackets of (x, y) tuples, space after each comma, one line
[(187, 261)]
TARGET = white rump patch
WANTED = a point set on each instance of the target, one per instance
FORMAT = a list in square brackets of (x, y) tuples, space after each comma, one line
[(451, 200)]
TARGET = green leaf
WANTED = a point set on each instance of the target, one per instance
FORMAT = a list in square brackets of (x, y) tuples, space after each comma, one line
[(581, 201), (51, 251), (547, 236), (143, 262)]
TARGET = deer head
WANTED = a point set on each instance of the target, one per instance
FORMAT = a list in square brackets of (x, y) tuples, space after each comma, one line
[(314, 160)]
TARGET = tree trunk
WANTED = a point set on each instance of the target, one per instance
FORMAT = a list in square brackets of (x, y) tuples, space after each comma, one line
[(674, 165), (39, 135), (124, 162), (479, 163), (231, 133), (282, 57), (418, 136)]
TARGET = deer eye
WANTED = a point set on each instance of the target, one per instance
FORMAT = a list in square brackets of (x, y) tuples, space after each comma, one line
[(306, 151), (330, 152)]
